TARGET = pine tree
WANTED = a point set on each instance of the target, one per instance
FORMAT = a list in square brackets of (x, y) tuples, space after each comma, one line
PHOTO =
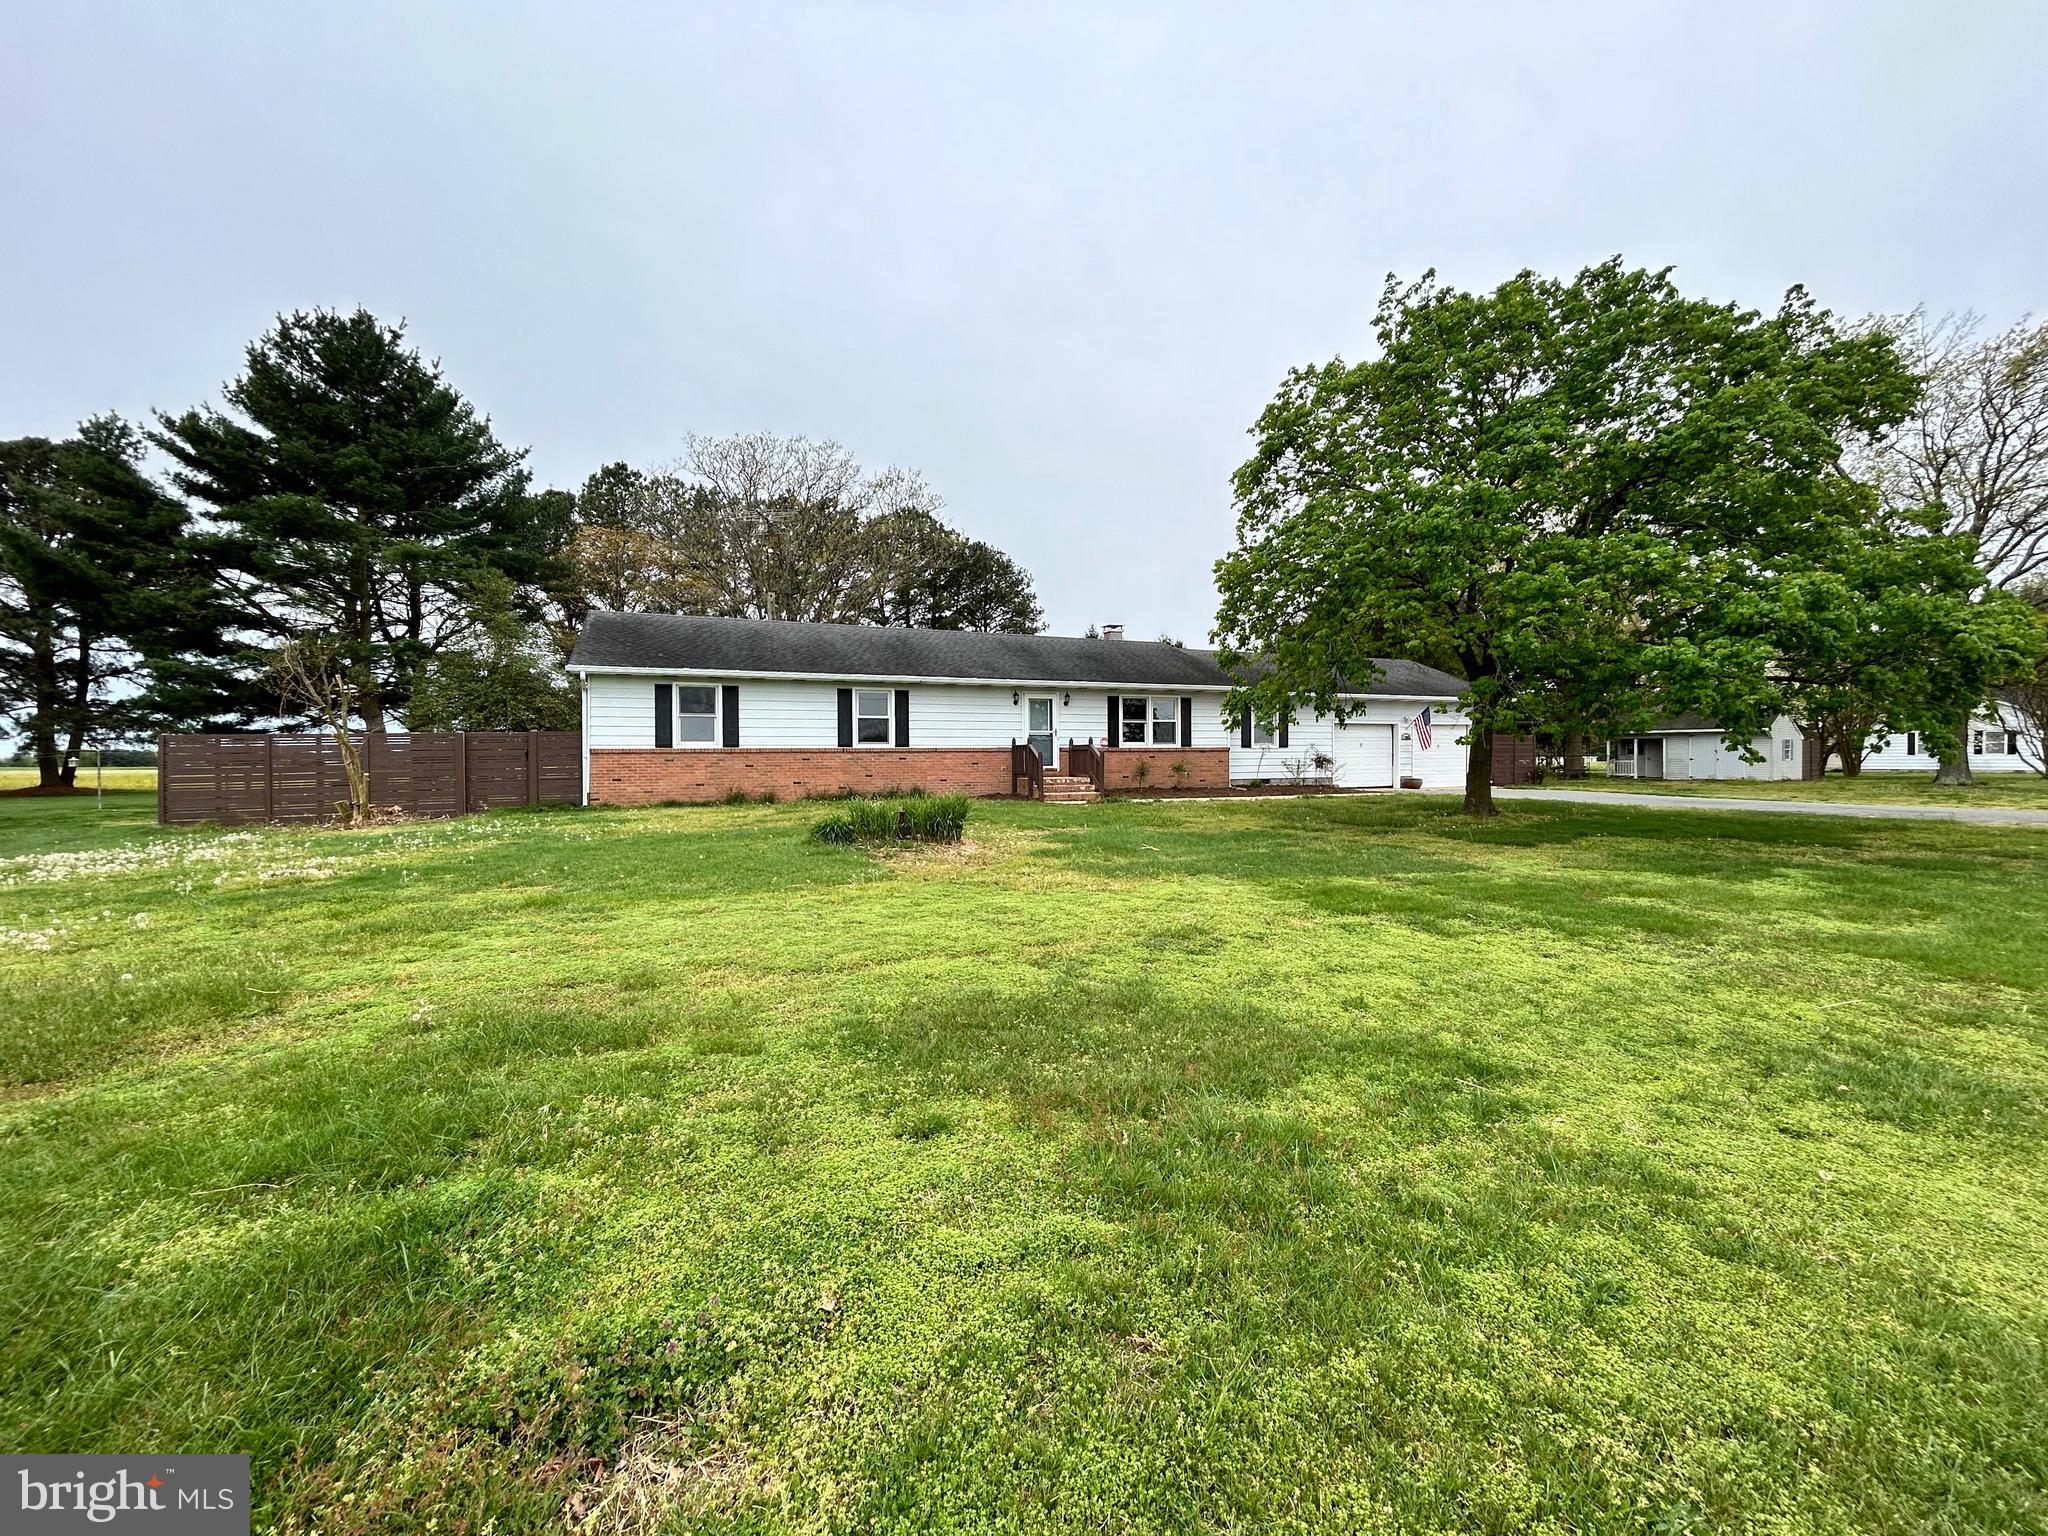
[(110, 623), (357, 495)]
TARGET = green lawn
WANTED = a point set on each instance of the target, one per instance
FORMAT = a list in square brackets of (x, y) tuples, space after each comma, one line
[(1994, 790), (1326, 1164)]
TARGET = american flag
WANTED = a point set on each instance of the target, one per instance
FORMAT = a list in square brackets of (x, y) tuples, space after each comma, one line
[(1422, 728)]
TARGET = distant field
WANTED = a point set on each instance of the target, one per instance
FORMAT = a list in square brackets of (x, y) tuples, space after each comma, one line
[(1291, 1166), (1994, 789), (115, 778)]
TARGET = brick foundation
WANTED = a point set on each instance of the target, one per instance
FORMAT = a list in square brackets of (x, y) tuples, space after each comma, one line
[(650, 775), (1208, 768)]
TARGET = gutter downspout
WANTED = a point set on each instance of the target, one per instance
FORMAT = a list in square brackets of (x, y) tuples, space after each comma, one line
[(583, 705)]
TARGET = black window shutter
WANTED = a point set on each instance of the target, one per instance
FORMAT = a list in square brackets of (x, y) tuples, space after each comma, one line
[(1115, 720), (846, 717), (902, 717), (729, 726), (664, 716), (1244, 727), (1187, 720), (1910, 743), (1283, 731), (2012, 743)]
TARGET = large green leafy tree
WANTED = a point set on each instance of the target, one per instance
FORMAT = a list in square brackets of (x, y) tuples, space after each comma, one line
[(1588, 495), (1972, 459), (1885, 635), (110, 620), (361, 498), (769, 527)]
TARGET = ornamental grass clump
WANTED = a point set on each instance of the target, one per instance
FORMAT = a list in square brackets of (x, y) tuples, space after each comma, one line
[(937, 818), (926, 819)]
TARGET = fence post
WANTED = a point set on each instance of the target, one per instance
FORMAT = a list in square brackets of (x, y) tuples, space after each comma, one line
[(533, 767), (462, 773), (163, 778)]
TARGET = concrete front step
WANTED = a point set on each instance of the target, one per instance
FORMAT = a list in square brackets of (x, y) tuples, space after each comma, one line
[(1071, 797)]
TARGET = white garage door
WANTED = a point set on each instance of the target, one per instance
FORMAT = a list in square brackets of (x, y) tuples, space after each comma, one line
[(1365, 756)]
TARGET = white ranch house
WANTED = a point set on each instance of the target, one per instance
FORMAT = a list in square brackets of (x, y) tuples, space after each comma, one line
[(1999, 743), (688, 708), (1693, 747)]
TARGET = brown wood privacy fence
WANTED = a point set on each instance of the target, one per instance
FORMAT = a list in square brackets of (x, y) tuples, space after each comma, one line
[(1516, 759), (251, 778)]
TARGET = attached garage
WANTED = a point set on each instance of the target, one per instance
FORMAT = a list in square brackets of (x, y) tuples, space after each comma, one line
[(1364, 755)]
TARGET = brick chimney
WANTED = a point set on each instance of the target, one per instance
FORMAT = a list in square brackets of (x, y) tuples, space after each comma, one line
[(1112, 631)]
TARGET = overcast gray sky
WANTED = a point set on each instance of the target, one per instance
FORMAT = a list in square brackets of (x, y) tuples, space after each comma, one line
[(1054, 257)]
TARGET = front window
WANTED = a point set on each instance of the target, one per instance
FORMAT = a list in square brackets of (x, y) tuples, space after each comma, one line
[(1148, 719), (1262, 735), (1977, 741), (1165, 722), (1133, 733), (1785, 749), (696, 714), (871, 718)]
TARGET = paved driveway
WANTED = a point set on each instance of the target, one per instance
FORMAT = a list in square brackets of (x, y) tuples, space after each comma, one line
[(2012, 816)]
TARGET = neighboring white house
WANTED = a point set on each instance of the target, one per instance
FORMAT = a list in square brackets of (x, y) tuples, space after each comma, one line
[(2003, 743), (687, 708), (1693, 747)]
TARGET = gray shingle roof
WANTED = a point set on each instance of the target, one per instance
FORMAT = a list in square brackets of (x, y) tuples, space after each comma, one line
[(756, 647), (1680, 724)]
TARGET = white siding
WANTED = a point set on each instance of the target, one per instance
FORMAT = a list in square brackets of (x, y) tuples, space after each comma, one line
[(784, 713), (618, 711), (1893, 756), (1705, 755), (1441, 766)]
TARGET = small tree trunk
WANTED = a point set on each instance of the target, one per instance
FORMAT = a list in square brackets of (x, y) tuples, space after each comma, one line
[(1956, 770), (357, 810), (1479, 774), (1575, 754), (1851, 754)]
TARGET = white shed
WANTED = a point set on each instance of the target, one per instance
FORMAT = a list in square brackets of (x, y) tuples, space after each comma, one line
[(1693, 747)]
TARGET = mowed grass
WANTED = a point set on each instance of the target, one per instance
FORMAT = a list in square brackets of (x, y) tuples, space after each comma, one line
[(109, 778), (2001, 790), (1267, 1165)]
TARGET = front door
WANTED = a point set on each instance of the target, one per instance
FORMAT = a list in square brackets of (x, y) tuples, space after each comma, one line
[(1650, 760), (1038, 730)]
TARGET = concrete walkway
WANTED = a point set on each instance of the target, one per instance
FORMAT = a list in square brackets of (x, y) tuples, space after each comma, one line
[(1992, 815)]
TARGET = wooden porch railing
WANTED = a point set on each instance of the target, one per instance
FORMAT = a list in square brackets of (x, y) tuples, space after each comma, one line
[(1084, 757), (1024, 764)]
